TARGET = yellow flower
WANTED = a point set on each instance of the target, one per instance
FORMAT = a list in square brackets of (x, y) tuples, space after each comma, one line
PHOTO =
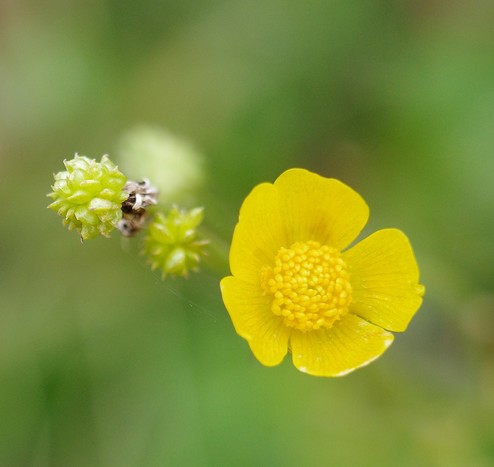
[(295, 285)]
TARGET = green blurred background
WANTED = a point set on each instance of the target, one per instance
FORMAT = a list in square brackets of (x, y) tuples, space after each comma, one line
[(104, 364)]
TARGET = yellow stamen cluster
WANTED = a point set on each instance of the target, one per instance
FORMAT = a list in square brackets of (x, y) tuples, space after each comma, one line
[(310, 285)]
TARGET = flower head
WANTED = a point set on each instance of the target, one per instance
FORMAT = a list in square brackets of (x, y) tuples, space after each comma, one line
[(296, 285), (171, 243), (175, 165), (89, 195)]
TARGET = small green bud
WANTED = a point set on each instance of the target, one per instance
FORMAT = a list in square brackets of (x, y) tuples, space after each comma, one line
[(171, 242), (174, 164), (89, 195)]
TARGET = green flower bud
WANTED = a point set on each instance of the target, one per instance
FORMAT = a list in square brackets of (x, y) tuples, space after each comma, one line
[(175, 166), (89, 196), (171, 243)]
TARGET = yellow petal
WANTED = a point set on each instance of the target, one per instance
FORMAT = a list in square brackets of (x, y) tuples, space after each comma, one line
[(349, 344), (384, 277), (253, 320), (258, 235), (300, 206), (319, 208)]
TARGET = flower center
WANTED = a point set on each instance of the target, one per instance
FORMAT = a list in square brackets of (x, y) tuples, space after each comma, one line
[(310, 285)]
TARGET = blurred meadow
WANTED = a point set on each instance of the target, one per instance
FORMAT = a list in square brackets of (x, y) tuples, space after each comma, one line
[(104, 364)]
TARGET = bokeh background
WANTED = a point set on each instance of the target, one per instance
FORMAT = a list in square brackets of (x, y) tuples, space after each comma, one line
[(104, 364)]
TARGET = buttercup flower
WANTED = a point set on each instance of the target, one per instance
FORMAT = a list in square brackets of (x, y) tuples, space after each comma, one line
[(89, 195), (296, 285)]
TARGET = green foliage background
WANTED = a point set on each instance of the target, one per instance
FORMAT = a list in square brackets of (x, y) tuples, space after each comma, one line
[(103, 364)]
